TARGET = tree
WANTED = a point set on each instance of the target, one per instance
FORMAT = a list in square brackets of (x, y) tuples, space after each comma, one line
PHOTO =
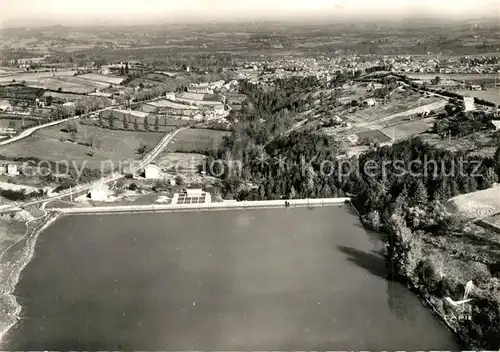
[(178, 180), (125, 122), (146, 123), (419, 197), (126, 68), (435, 81), (496, 160), (136, 125), (111, 121), (157, 123), (12, 124), (101, 121)]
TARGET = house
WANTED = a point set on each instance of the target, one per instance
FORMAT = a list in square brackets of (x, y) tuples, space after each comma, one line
[(170, 96), (99, 193), (5, 105), (9, 169), (69, 104), (469, 104), (475, 87), (152, 172), (194, 192), (370, 102), (496, 123)]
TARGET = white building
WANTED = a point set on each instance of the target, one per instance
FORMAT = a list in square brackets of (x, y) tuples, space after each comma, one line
[(370, 102), (99, 193), (152, 172), (9, 169), (496, 123), (5, 105), (170, 96), (469, 104), (194, 192)]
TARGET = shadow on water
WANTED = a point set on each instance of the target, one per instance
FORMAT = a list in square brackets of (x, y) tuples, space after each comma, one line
[(371, 262)]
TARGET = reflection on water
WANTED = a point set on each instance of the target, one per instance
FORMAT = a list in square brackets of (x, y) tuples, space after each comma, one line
[(398, 297)]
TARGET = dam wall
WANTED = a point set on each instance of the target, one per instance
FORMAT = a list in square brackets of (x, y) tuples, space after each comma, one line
[(317, 202)]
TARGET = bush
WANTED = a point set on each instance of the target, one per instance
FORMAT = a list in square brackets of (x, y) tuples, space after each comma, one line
[(427, 276), (133, 187)]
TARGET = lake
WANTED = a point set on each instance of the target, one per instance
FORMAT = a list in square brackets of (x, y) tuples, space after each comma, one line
[(264, 279)]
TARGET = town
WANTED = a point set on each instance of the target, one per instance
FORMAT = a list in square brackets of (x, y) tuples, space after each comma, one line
[(123, 120)]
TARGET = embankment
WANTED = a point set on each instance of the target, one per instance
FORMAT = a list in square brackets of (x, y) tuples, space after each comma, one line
[(18, 256), (202, 206)]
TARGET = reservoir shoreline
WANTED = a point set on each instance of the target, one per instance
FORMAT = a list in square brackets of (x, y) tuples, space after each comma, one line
[(45, 221)]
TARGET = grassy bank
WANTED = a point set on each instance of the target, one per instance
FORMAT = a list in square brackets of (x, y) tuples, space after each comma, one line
[(17, 242)]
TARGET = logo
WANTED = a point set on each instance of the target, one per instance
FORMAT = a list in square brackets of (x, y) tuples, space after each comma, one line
[(463, 309)]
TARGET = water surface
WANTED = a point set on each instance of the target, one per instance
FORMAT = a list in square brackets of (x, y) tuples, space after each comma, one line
[(276, 279)]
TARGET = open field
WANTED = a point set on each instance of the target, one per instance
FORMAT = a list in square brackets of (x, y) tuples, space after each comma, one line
[(407, 129), (402, 107), (196, 139), (53, 144), (5, 123), (64, 85), (492, 94), (63, 96), (102, 78), (477, 204), (33, 76), (84, 82)]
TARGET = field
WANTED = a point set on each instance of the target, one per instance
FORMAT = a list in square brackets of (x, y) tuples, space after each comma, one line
[(56, 84), (404, 107), (408, 129), (374, 135), (84, 82), (4, 123), (195, 139), (33, 76), (492, 95), (102, 78), (62, 96), (477, 204), (484, 143), (453, 76), (113, 146)]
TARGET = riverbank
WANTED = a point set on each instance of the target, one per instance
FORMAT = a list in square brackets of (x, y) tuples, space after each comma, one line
[(436, 265), (15, 255)]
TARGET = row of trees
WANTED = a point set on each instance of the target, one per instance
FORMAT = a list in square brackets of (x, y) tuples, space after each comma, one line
[(129, 122)]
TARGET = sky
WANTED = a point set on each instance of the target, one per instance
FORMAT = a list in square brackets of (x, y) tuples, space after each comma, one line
[(67, 12)]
